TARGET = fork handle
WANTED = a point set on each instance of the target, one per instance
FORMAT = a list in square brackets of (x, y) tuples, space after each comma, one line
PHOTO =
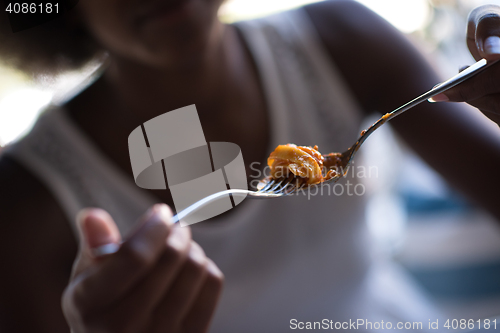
[(205, 201), (462, 76), (112, 247), (448, 84)]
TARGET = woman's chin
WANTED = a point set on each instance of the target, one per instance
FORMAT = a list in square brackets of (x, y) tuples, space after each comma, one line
[(188, 45), (169, 20), (177, 54)]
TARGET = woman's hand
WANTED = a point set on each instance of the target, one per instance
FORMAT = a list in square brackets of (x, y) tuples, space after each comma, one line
[(483, 40), (158, 281)]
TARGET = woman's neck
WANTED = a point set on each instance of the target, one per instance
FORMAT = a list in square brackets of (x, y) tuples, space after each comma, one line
[(226, 90), (208, 80)]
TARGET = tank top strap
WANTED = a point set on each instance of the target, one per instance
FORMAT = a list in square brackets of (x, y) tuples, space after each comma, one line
[(76, 172)]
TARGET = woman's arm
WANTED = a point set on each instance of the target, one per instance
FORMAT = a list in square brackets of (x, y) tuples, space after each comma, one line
[(385, 70), (159, 280)]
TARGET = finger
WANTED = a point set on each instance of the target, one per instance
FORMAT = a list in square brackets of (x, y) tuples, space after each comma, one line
[(489, 105), (95, 228), (146, 296), (495, 117), (491, 47), (472, 22), (134, 312), (485, 83), (110, 279), (471, 45), (483, 30), (183, 292), (199, 317)]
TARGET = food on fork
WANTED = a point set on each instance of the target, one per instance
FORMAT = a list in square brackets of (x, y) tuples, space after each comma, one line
[(303, 162)]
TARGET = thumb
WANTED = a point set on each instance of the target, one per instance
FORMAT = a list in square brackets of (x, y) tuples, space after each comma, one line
[(491, 48), (96, 229), (488, 32), (483, 32)]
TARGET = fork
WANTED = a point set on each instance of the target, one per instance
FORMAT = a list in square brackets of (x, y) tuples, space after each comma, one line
[(270, 188), (347, 156), (274, 188)]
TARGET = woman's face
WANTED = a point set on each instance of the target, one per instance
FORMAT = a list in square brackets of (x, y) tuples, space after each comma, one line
[(161, 33)]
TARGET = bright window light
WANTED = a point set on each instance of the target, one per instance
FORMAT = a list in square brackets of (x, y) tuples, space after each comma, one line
[(18, 111), (406, 15), (234, 10)]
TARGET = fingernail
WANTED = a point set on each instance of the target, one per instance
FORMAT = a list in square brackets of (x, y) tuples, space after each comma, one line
[(163, 212), (462, 68), (104, 250), (95, 229), (439, 98), (492, 45)]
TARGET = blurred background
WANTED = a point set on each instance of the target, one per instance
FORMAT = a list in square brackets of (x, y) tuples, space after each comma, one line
[(449, 246)]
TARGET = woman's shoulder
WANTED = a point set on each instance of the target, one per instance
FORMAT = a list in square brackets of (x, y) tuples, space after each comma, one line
[(366, 48), (348, 27), (341, 13)]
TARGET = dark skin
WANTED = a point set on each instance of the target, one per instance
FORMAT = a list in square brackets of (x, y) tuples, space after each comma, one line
[(38, 263), (448, 137), (235, 102), (483, 41), (441, 134)]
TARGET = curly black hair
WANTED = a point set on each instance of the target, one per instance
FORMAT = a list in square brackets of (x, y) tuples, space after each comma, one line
[(56, 46)]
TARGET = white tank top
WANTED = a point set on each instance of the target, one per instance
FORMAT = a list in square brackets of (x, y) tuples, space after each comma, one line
[(291, 258)]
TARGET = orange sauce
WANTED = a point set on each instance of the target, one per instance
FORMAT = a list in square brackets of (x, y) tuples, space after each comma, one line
[(304, 162)]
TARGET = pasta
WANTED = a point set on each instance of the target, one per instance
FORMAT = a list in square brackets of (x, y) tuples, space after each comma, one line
[(304, 162)]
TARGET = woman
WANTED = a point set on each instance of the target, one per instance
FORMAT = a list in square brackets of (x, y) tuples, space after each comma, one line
[(305, 76)]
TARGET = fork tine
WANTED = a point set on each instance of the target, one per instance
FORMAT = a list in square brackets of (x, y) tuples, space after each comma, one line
[(271, 185), (284, 186), (268, 185), (277, 185), (299, 185), (291, 191), (287, 184), (287, 181)]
